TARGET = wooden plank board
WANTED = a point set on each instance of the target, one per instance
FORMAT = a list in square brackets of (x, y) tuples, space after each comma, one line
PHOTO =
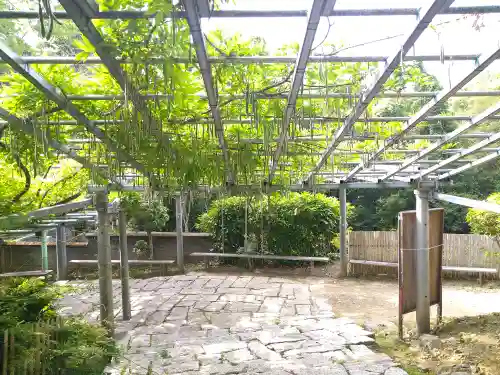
[(373, 263), (470, 269), (444, 268), (407, 258), (26, 274), (257, 256), (114, 261)]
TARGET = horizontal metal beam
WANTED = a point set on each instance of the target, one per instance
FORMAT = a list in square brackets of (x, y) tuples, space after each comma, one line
[(57, 96), (483, 62), (245, 60), (476, 120), (313, 19), (54, 210), (374, 87), (126, 15), (284, 95), (295, 187), (248, 121), (27, 127), (473, 203)]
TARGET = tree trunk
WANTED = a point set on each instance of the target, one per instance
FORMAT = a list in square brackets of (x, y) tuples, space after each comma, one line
[(150, 244)]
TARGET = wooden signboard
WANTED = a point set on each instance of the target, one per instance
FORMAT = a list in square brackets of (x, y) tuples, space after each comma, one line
[(407, 257)]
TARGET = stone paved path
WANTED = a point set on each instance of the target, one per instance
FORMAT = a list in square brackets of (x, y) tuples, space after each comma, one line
[(211, 324)]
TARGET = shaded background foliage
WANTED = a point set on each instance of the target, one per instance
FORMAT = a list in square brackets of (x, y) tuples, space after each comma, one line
[(280, 224)]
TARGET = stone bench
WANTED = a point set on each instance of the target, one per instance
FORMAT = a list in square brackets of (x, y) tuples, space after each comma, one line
[(44, 274), (481, 271), (251, 257), (133, 262)]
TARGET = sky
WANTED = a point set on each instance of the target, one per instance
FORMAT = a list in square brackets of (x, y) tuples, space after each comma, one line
[(456, 36)]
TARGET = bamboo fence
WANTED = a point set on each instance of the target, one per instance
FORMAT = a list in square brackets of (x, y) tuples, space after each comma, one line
[(461, 250)]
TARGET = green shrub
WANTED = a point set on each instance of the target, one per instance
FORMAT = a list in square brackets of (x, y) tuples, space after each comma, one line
[(25, 300), (294, 224), (485, 222), (42, 341)]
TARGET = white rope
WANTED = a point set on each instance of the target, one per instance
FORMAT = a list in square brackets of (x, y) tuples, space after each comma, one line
[(424, 248)]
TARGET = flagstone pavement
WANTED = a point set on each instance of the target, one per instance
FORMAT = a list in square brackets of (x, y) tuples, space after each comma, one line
[(211, 324)]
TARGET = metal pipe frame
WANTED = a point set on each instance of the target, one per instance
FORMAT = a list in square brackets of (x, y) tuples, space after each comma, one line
[(54, 210), (294, 187), (313, 19), (206, 72), (472, 203), (484, 61), (477, 120), (244, 60), (81, 12), (478, 147), (391, 64), (134, 14), (205, 121), (330, 95), (27, 127), (56, 95), (470, 164)]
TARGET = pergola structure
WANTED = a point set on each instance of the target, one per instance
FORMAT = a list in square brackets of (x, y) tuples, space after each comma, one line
[(421, 168)]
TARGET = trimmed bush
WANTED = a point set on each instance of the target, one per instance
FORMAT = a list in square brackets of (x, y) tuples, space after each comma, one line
[(294, 224), (485, 222)]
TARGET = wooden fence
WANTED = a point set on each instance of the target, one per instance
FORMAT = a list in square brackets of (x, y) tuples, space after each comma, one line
[(462, 250)]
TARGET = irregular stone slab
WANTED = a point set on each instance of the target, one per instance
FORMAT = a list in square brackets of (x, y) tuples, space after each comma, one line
[(360, 367), (312, 349), (182, 365), (223, 369), (245, 325), (395, 371), (324, 334), (209, 359), (333, 369), (303, 309), (215, 306), (284, 346), (238, 356), (261, 351), (224, 347), (241, 282), (177, 313)]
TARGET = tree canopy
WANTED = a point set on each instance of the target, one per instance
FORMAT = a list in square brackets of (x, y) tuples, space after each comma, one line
[(184, 151)]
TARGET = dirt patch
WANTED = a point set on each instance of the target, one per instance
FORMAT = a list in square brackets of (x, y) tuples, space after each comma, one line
[(470, 340), (376, 300), (469, 345)]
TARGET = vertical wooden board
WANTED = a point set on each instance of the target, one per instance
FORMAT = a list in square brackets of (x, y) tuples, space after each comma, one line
[(407, 261), (408, 254), (436, 237)]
